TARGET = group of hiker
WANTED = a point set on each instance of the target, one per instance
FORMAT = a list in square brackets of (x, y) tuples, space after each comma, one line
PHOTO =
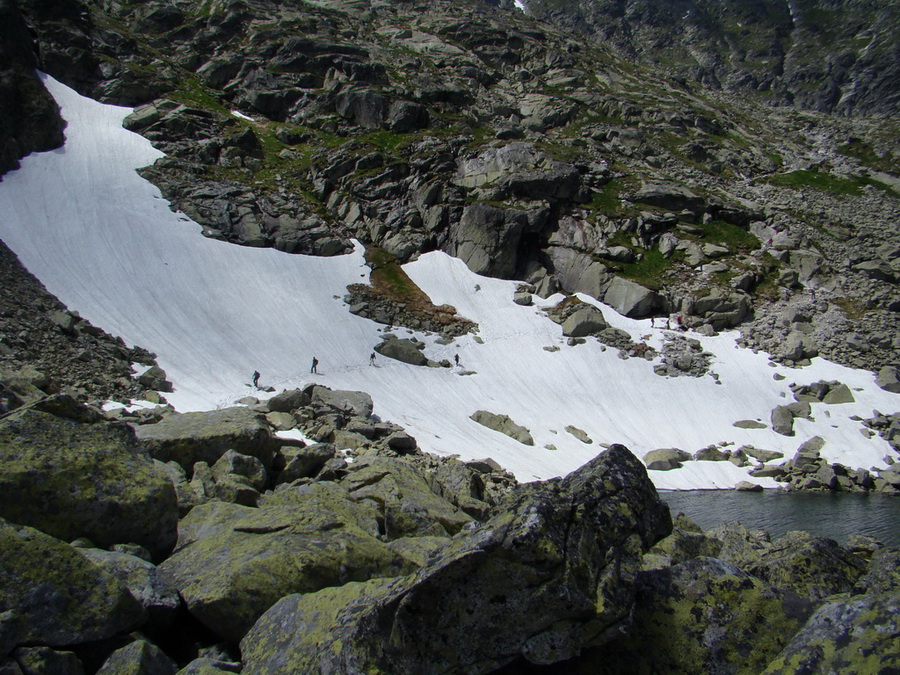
[(315, 365), (679, 323)]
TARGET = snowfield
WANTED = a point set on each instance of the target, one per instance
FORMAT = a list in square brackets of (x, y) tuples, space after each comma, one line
[(104, 242)]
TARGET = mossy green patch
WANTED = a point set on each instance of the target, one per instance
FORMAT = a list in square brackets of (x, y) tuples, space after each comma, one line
[(53, 595), (733, 237), (389, 278), (826, 182), (866, 154), (84, 480), (649, 271)]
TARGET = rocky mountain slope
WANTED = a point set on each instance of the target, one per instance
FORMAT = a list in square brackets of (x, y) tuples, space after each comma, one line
[(829, 56), (302, 533), (295, 556), (518, 147)]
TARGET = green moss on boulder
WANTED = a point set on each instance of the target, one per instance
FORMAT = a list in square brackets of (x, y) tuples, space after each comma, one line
[(232, 562), (50, 594), (852, 636), (206, 436), (701, 616), (75, 480)]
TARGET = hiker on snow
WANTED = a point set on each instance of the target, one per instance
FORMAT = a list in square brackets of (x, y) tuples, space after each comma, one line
[(256, 379), (315, 363), (372, 359)]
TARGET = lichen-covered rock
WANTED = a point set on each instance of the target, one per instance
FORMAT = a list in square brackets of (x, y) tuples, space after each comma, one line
[(815, 567), (883, 573), (462, 486), (138, 658), (75, 480), (354, 403), (240, 467), (147, 584), (403, 498), (40, 660), (50, 594), (701, 616), (304, 462), (233, 562), (686, 541), (665, 459), (851, 636), (549, 576), (205, 436), (289, 401), (504, 424)]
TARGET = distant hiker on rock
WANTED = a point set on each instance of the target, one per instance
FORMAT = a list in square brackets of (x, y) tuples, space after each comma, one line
[(372, 359), (256, 379), (315, 364)]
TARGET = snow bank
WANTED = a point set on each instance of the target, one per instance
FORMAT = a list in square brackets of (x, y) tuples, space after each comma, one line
[(105, 242)]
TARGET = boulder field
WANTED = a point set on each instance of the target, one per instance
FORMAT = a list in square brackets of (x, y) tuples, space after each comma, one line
[(157, 542)]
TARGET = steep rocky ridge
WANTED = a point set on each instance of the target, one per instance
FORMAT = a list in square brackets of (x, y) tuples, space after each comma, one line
[(528, 154), (828, 56), (28, 114)]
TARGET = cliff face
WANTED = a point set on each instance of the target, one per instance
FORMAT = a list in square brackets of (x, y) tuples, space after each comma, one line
[(823, 55), (28, 115)]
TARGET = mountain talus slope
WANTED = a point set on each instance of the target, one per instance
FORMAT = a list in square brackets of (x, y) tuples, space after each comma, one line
[(830, 56)]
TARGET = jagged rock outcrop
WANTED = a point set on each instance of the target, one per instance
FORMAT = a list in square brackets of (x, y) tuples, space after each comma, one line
[(769, 49), (529, 155), (551, 558)]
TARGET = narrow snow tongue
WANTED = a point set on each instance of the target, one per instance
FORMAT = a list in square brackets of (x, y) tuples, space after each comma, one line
[(541, 581)]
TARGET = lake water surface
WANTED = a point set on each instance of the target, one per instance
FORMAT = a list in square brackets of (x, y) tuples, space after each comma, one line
[(824, 514)]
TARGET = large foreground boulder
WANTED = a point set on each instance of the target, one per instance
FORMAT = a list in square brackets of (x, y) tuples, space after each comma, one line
[(75, 480), (52, 595), (550, 575), (701, 616), (205, 436), (851, 636), (233, 562)]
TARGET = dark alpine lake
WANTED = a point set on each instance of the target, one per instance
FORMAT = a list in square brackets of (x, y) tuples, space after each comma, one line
[(824, 514)]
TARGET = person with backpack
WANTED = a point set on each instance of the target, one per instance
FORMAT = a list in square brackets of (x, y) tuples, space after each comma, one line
[(256, 379), (315, 364)]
